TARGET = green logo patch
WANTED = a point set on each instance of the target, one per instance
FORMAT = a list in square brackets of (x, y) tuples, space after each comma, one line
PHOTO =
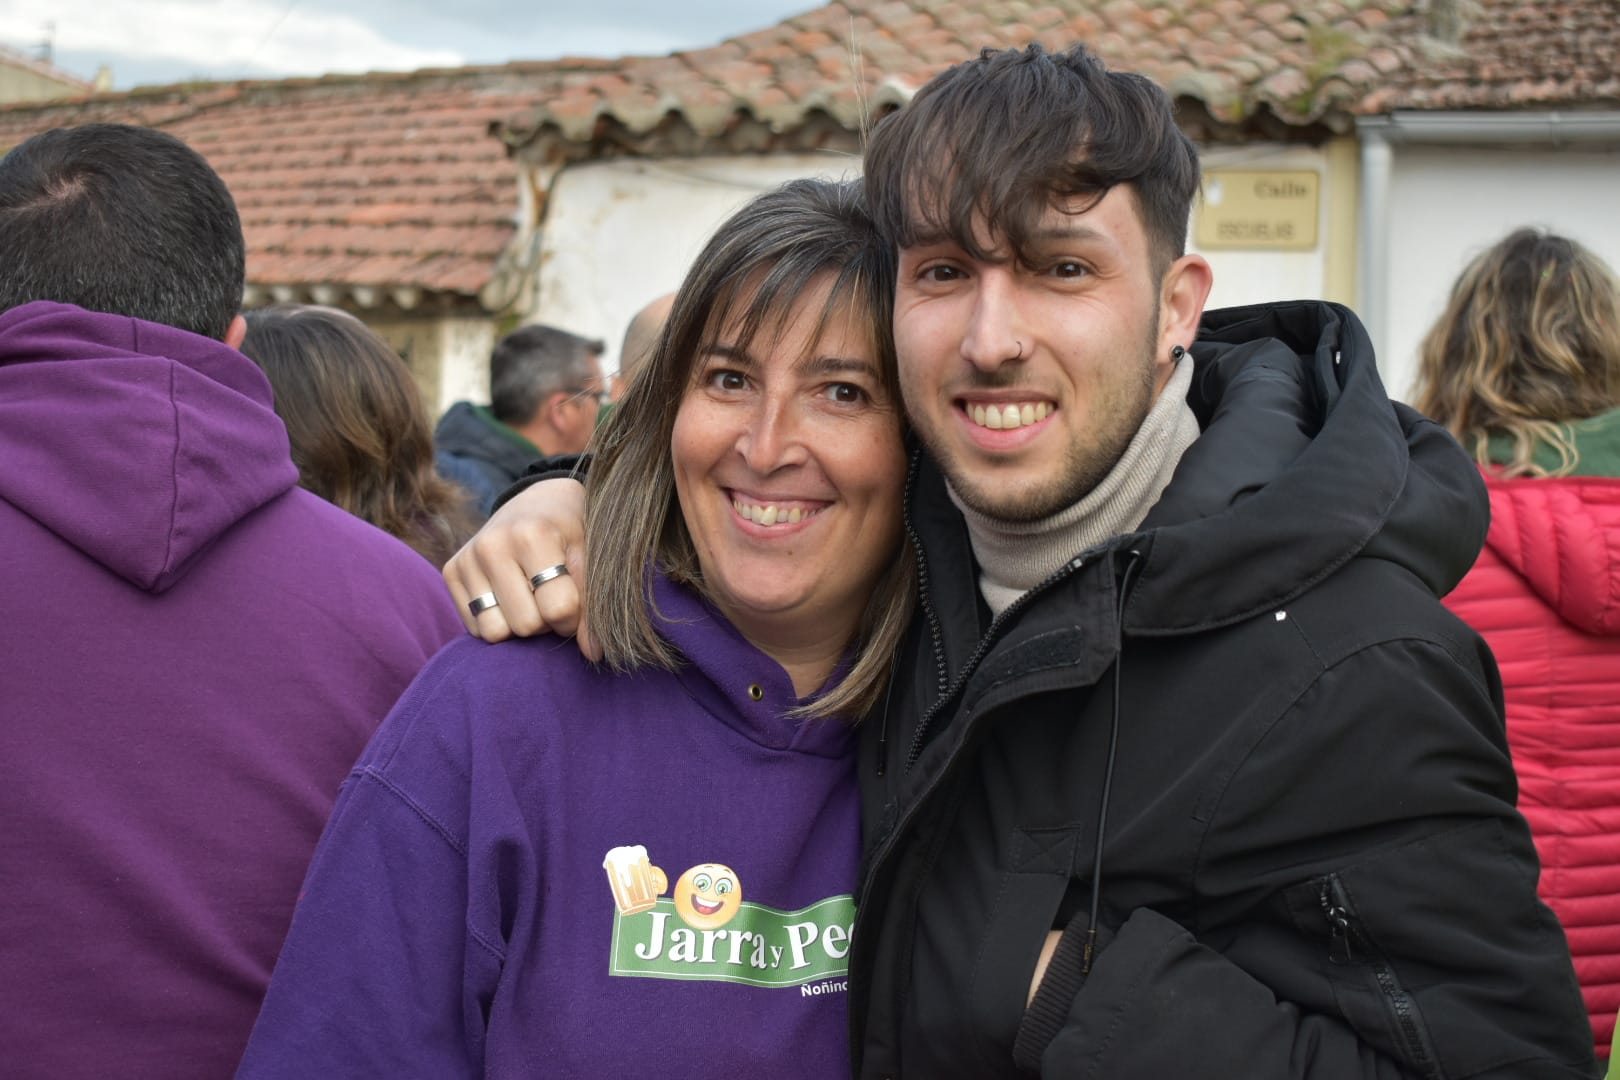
[(760, 946)]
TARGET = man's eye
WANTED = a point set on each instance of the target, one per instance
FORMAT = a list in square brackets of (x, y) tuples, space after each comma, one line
[(1068, 268), (941, 273)]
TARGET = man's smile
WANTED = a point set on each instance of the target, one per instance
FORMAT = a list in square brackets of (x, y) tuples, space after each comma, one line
[(1004, 416)]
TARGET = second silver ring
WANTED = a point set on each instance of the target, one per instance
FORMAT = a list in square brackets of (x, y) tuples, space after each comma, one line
[(550, 573)]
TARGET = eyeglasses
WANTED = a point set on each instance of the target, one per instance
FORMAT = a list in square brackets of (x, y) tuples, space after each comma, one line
[(603, 396)]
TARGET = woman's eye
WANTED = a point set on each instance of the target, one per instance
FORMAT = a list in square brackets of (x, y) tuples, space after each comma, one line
[(940, 273), (727, 380), (846, 393)]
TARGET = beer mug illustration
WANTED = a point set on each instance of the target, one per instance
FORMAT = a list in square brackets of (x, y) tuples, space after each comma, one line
[(635, 881)]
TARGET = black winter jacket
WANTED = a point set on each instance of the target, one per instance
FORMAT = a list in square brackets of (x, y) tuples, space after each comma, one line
[(1292, 758), (473, 449)]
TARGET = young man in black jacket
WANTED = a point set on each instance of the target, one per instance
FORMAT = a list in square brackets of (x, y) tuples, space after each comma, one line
[(1185, 768)]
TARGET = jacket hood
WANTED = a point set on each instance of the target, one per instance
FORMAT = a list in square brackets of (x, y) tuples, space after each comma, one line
[(1304, 463), (138, 444), (1563, 537)]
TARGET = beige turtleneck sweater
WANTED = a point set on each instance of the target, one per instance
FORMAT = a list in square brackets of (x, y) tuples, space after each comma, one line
[(1014, 557)]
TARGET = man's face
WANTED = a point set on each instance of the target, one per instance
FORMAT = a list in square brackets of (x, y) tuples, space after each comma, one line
[(1026, 383), (577, 420)]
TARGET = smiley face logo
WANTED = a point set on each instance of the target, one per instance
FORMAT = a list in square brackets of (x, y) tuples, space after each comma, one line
[(708, 896)]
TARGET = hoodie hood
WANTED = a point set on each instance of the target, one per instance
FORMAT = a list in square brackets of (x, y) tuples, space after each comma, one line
[(1304, 463), (139, 444), (1563, 537)]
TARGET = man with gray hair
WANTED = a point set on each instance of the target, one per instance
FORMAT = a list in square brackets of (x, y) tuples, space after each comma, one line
[(545, 388)]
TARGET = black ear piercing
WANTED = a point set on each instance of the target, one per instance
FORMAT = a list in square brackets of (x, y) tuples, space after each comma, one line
[(1177, 352)]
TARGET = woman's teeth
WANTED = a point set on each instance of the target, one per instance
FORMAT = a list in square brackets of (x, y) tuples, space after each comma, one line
[(1003, 418), (771, 514)]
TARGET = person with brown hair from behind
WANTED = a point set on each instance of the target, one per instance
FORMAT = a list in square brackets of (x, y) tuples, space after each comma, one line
[(1524, 368), (360, 434)]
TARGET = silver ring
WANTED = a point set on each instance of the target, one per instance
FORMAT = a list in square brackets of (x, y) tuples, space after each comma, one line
[(550, 573), (482, 603)]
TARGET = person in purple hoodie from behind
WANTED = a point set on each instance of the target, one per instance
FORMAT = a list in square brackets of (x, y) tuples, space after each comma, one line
[(193, 649), (546, 868)]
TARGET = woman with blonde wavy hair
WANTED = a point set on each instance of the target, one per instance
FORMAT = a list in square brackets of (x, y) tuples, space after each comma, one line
[(1524, 368)]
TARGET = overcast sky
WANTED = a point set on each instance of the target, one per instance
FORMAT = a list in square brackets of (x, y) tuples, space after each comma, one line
[(160, 41)]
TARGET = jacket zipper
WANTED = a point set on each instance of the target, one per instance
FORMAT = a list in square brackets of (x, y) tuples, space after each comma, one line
[(919, 736), (930, 616), (924, 594), (897, 828), (1347, 937)]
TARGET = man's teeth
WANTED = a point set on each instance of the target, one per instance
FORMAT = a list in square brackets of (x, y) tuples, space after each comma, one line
[(1003, 418), (772, 515)]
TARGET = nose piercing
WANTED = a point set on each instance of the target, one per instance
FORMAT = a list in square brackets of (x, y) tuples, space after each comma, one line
[(1019, 355)]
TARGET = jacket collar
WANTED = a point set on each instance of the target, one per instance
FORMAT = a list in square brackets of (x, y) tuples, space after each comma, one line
[(1303, 464)]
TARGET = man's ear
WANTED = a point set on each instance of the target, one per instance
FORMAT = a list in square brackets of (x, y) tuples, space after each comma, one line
[(552, 408), (236, 333), (1182, 294)]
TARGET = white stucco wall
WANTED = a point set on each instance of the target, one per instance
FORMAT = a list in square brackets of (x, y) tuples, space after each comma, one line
[(1256, 276), (618, 233), (448, 356), (1446, 204), (24, 84)]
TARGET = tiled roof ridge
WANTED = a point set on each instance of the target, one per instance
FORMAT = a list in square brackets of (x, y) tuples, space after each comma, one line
[(379, 189), (1504, 55), (728, 97), (231, 89), (384, 186), (17, 58), (755, 90)]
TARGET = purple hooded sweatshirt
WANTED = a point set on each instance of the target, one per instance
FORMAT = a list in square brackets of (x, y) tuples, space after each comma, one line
[(543, 870), (193, 651)]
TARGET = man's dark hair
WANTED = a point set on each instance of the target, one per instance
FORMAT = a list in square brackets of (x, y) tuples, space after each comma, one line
[(124, 220), (1008, 134), (530, 363)]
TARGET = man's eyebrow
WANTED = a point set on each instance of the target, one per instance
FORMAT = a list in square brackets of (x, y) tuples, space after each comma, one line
[(1069, 231), (917, 238)]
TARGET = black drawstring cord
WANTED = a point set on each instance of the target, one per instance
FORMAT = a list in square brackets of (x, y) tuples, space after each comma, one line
[(1108, 773), (883, 725)]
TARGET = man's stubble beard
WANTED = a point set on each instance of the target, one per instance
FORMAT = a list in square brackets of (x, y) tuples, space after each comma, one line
[(1086, 463)]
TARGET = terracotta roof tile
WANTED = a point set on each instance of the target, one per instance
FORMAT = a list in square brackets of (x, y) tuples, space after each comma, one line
[(392, 180), (1502, 54), (1249, 57), (382, 180)]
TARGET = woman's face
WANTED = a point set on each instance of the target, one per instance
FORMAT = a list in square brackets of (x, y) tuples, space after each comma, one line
[(789, 464)]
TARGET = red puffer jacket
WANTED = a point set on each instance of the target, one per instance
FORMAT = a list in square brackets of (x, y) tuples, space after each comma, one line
[(1545, 594)]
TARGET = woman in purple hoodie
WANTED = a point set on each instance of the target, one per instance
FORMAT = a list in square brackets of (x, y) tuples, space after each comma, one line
[(545, 867)]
